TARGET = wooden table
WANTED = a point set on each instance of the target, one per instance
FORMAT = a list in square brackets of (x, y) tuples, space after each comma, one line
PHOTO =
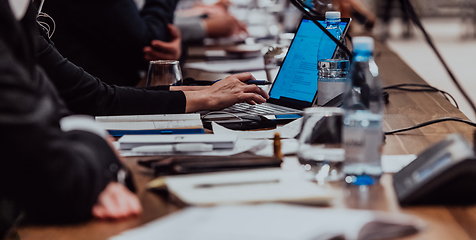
[(405, 109)]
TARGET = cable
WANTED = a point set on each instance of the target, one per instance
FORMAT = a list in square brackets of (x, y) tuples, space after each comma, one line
[(424, 88), (307, 12), (431, 122), (414, 17)]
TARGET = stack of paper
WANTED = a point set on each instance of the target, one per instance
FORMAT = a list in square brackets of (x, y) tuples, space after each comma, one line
[(152, 124)]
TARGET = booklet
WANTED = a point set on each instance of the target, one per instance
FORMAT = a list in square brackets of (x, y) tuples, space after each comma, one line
[(152, 124)]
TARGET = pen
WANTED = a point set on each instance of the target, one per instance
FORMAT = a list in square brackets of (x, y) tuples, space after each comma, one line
[(210, 185), (256, 82), (207, 83)]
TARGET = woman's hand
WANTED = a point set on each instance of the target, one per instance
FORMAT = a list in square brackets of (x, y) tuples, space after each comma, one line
[(115, 202)]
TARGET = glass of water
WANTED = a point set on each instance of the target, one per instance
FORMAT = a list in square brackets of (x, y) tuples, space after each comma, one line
[(320, 143), (164, 72)]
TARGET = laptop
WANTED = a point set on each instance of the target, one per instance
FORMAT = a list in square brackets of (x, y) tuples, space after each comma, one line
[(295, 85)]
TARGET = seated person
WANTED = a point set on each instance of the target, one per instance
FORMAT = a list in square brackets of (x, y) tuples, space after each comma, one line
[(207, 21), (56, 168), (358, 11), (107, 38), (85, 94)]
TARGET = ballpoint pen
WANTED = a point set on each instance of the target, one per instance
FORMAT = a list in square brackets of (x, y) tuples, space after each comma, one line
[(251, 81)]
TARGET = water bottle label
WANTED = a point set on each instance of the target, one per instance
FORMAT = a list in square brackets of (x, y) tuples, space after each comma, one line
[(328, 89), (362, 139)]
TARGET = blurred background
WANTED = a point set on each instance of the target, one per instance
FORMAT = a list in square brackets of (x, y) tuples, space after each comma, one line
[(452, 25)]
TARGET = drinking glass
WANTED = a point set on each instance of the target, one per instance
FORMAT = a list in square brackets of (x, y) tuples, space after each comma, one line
[(320, 143), (164, 72)]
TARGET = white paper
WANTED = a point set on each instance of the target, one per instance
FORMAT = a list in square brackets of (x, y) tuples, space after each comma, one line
[(394, 163), (268, 222), (241, 145), (238, 65), (288, 147), (150, 122), (289, 130), (247, 186), (152, 117)]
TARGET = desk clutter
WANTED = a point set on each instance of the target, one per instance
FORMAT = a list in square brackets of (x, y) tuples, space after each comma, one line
[(275, 222)]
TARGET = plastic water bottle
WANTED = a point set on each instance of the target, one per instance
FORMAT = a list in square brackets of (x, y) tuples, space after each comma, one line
[(333, 26), (362, 129)]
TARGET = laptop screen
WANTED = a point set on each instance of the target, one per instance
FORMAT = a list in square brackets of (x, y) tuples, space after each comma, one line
[(296, 81)]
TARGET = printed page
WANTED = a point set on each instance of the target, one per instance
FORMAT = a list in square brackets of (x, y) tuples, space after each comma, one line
[(153, 117)]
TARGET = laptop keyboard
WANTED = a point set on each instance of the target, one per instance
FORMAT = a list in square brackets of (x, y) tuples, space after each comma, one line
[(260, 109)]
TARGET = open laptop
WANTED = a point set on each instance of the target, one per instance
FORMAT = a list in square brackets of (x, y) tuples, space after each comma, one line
[(295, 85)]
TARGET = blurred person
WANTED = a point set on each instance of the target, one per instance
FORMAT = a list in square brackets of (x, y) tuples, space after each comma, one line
[(356, 10), (387, 15), (55, 167), (109, 39), (208, 21)]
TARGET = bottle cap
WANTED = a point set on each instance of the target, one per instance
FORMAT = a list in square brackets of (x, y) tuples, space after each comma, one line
[(363, 44), (332, 15)]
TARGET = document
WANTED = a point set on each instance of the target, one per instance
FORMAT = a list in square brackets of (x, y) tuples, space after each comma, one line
[(394, 163), (230, 66), (289, 130), (152, 124), (128, 142), (247, 186), (275, 222)]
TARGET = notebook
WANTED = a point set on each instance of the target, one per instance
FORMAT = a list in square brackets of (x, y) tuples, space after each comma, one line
[(295, 85), (152, 124)]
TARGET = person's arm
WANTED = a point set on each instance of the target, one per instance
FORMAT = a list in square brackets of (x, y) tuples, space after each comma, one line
[(85, 94), (88, 95), (54, 175)]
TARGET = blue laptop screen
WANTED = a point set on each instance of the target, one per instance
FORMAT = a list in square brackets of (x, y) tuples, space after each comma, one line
[(297, 78)]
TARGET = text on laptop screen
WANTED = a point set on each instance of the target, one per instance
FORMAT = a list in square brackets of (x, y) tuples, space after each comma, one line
[(297, 78)]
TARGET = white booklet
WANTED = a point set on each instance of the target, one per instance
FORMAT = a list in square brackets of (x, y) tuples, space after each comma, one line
[(152, 124), (217, 141), (275, 222)]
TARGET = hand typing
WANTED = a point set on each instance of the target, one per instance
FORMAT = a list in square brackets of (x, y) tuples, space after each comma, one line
[(225, 93)]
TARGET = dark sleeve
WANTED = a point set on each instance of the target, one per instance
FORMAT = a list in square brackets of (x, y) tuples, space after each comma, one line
[(53, 175), (115, 24), (85, 94)]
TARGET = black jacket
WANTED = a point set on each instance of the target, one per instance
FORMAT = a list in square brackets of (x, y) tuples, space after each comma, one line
[(106, 37), (53, 176), (85, 94)]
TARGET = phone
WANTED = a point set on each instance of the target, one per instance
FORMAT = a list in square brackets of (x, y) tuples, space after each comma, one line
[(444, 174)]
